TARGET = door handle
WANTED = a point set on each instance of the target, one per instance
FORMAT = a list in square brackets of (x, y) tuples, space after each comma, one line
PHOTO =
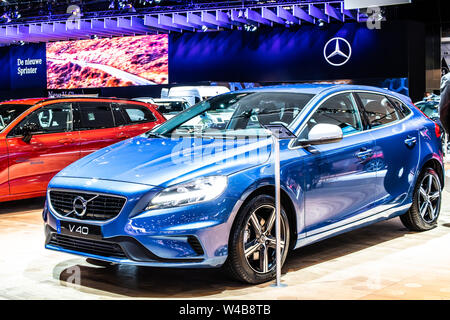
[(411, 141), (65, 141), (37, 145), (364, 153)]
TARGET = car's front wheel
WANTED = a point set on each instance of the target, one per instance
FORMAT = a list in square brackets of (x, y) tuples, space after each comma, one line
[(424, 212), (252, 248)]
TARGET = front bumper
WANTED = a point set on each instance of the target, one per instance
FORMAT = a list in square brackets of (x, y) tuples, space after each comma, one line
[(191, 236), (122, 250)]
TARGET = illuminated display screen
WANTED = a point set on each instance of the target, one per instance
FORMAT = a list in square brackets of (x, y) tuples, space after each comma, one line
[(117, 62)]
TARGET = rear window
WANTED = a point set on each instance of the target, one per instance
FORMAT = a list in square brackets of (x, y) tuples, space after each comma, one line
[(379, 109), (138, 114), (95, 115), (403, 110)]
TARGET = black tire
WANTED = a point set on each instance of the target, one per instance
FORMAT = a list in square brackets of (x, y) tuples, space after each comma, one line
[(414, 220), (243, 234)]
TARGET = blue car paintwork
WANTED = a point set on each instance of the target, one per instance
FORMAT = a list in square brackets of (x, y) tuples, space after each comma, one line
[(331, 191), (164, 156)]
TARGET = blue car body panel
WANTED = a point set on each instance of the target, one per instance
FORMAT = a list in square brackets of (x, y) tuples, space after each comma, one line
[(330, 191)]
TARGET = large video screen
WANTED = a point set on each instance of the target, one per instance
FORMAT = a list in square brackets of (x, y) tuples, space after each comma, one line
[(277, 55), (116, 62)]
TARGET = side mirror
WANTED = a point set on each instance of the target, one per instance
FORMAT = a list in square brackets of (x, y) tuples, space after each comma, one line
[(323, 133), (27, 131)]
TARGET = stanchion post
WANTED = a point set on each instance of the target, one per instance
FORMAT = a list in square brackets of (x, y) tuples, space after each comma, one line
[(278, 132), (276, 143)]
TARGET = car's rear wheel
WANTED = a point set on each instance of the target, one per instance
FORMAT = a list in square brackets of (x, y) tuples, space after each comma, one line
[(424, 212), (252, 248)]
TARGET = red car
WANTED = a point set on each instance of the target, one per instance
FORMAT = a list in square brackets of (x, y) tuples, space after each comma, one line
[(39, 137)]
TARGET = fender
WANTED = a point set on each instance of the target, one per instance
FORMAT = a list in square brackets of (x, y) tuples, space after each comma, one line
[(427, 158), (298, 204)]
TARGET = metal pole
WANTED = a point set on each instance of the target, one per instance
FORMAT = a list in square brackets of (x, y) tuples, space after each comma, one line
[(277, 135), (277, 208), (276, 147)]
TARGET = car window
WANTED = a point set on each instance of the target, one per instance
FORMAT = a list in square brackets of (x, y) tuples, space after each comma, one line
[(239, 114), (403, 110), (171, 107), (51, 119), (137, 114), (95, 115), (431, 110), (340, 110), (380, 111), (119, 118), (9, 112)]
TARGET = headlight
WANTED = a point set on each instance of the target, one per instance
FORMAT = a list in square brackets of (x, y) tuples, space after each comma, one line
[(195, 191)]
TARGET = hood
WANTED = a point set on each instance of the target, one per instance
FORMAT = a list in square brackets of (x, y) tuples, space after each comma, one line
[(163, 162)]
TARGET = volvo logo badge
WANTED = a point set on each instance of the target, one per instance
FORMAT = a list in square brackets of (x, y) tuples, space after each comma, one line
[(80, 206), (337, 52)]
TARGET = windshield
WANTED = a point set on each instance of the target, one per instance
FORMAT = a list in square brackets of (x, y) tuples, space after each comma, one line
[(171, 107), (10, 112), (431, 109), (241, 113)]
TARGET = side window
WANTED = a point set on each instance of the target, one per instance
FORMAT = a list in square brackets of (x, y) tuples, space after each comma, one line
[(340, 110), (51, 119), (380, 111), (138, 114), (95, 115), (403, 110), (119, 117)]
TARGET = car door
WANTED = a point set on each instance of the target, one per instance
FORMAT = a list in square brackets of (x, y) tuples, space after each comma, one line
[(52, 147), (4, 185), (138, 118), (338, 184), (396, 150), (95, 123)]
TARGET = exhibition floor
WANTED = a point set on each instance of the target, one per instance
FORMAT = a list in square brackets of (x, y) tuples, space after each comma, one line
[(382, 261)]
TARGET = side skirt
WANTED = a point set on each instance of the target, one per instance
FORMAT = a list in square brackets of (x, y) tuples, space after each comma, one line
[(350, 226)]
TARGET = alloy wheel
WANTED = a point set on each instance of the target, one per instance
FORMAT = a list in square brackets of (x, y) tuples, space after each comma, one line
[(260, 240), (429, 198)]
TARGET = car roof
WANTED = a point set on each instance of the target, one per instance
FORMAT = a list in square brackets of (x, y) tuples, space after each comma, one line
[(316, 89), (33, 101), (169, 99), (199, 89), (296, 88)]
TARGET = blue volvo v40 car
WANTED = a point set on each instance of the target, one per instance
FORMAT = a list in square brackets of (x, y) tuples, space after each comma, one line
[(198, 191)]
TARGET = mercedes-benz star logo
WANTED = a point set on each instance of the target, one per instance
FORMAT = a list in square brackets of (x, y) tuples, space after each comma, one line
[(80, 206), (337, 52)]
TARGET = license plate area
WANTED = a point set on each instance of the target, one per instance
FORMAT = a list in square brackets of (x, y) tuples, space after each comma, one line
[(81, 230)]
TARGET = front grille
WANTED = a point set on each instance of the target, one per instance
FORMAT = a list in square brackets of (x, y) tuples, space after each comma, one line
[(99, 248), (100, 208)]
